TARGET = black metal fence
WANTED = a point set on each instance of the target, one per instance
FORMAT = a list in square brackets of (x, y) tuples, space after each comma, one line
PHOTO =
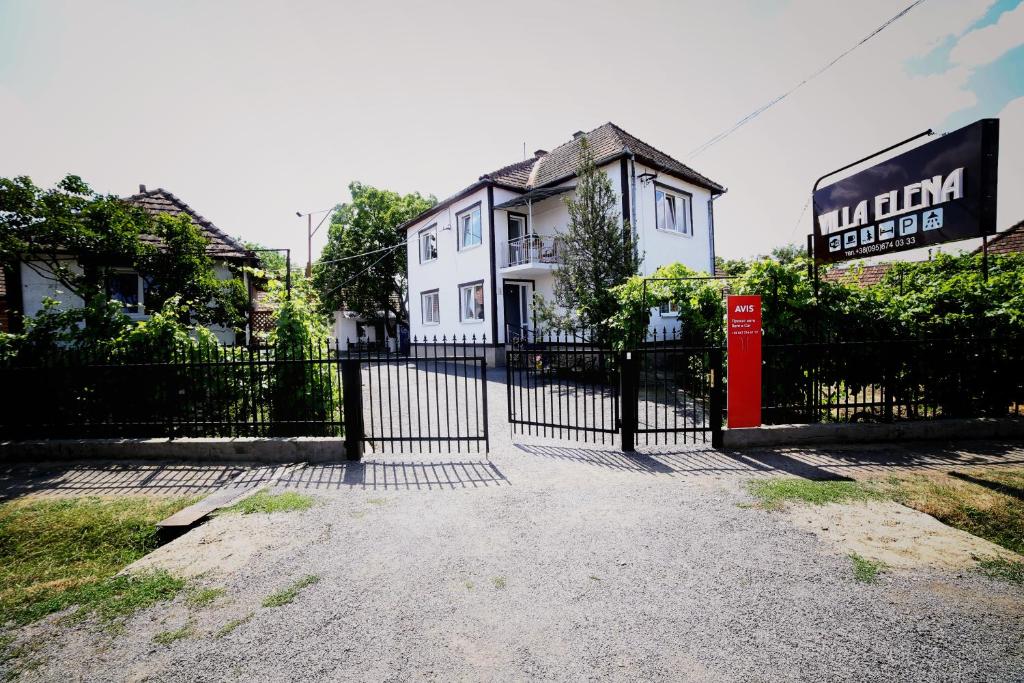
[(433, 398), (193, 391), (891, 380), (562, 385), (678, 390)]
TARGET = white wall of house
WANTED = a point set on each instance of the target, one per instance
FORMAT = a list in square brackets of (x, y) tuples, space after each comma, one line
[(449, 270), (38, 283), (545, 218)]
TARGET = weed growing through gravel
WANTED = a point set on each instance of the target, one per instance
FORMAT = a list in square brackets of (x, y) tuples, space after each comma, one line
[(266, 502), (60, 553), (499, 582), (774, 493), (19, 659), (865, 570), (1002, 568), (168, 637), (203, 597), (286, 595), (232, 625)]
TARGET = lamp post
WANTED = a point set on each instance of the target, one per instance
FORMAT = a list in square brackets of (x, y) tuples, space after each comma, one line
[(310, 231)]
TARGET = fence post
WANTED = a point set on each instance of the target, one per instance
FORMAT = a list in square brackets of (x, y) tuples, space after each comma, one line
[(629, 398), (716, 397), (352, 407)]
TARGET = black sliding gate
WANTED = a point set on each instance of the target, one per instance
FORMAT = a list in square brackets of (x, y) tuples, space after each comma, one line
[(564, 386)]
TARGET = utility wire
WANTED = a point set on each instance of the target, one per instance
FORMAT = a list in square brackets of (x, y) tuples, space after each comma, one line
[(760, 110), (360, 273), (365, 253)]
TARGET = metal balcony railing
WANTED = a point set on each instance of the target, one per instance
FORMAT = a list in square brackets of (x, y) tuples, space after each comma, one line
[(532, 249)]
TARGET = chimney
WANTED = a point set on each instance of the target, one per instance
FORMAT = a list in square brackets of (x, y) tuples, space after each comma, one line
[(540, 152), (142, 189), (577, 135)]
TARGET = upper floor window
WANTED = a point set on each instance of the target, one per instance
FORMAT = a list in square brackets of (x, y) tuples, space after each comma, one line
[(431, 306), (672, 210), (471, 301), (470, 233), (669, 309), (428, 244)]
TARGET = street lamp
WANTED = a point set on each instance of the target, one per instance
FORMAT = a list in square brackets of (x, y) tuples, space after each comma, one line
[(310, 231)]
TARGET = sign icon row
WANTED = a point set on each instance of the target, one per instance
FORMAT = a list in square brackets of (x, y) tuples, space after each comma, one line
[(886, 230)]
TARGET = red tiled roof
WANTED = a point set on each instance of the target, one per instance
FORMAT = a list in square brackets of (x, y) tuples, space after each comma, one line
[(1010, 241), (865, 276), (162, 201)]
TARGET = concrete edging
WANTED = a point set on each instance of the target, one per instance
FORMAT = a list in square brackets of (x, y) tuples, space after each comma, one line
[(821, 434), (241, 449)]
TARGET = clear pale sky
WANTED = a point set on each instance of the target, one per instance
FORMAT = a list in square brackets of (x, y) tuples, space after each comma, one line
[(252, 110)]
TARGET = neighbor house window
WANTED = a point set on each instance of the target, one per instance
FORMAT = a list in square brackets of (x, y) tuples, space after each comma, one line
[(431, 305), (672, 210), (127, 288), (469, 228), (428, 244), (669, 309), (471, 299)]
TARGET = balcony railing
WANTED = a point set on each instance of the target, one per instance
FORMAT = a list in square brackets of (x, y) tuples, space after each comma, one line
[(531, 249)]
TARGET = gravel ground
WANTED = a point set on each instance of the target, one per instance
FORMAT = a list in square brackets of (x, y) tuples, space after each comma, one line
[(563, 563)]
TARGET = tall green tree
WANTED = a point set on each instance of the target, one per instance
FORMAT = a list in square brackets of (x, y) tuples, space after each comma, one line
[(363, 267), (598, 253)]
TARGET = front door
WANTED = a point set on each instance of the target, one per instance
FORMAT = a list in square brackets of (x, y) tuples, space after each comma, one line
[(514, 295)]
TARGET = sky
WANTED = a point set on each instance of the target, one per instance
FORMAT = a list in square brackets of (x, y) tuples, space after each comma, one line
[(251, 110)]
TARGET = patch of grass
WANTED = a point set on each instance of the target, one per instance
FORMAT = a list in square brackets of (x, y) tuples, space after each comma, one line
[(499, 582), (232, 625), (59, 553), (266, 502), (286, 595), (987, 503), (773, 494), (203, 597), (168, 637), (865, 570), (377, 501), (1003, 569)]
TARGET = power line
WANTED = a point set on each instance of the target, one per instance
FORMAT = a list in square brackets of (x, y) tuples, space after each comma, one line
[(364, 270), (760, 110), (364, 253)]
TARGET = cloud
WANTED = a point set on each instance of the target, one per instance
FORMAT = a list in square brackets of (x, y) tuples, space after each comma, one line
[(985, 45)]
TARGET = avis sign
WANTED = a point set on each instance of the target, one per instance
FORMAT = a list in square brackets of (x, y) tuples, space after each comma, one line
[(744, 346), (942, 191)]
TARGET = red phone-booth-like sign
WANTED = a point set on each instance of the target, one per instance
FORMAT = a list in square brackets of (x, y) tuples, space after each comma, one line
[(744, 340)]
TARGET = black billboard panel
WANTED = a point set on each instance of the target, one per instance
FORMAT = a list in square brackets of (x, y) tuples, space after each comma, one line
[(942, 191)]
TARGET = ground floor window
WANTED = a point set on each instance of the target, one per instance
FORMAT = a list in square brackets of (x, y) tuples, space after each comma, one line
[(471, 297), (669, 309), (431, 307), (127, 288)]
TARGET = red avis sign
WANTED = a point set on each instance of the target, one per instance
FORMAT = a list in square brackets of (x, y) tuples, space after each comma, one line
[(744, 345)]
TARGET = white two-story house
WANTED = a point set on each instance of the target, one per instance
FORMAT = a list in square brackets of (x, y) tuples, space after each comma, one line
[(477, 258)]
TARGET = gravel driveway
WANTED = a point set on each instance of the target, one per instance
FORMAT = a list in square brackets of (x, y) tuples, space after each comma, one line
[(557, 562)]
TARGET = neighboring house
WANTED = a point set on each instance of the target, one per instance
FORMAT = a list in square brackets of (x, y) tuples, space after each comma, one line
[(1009, 241), (124, 284), (477, 258), (5, 317)]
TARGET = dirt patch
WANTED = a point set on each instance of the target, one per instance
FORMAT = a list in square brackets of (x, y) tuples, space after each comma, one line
[(899, 536), (222, 545)]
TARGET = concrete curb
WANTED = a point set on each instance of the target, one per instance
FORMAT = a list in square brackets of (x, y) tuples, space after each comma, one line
[(821, 434), (242, 449)]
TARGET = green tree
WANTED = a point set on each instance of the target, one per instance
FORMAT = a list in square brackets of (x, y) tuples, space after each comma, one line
[(371, 284), (598, 249)]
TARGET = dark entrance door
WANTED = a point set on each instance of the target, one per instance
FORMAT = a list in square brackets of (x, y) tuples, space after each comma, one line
[(515, 308)]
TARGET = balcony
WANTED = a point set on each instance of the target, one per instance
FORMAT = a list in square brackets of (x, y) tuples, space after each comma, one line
[(530, 255)]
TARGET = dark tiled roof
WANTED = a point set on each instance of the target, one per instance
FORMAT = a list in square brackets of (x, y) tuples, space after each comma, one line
[(1010, 241), (865, 276), (161, 201), (606, 142)]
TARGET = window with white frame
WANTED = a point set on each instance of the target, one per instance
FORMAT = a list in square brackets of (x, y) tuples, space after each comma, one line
[(431, 306), (669, 309), (428, 244), (471, 302), (672, 210), (470, 233)]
